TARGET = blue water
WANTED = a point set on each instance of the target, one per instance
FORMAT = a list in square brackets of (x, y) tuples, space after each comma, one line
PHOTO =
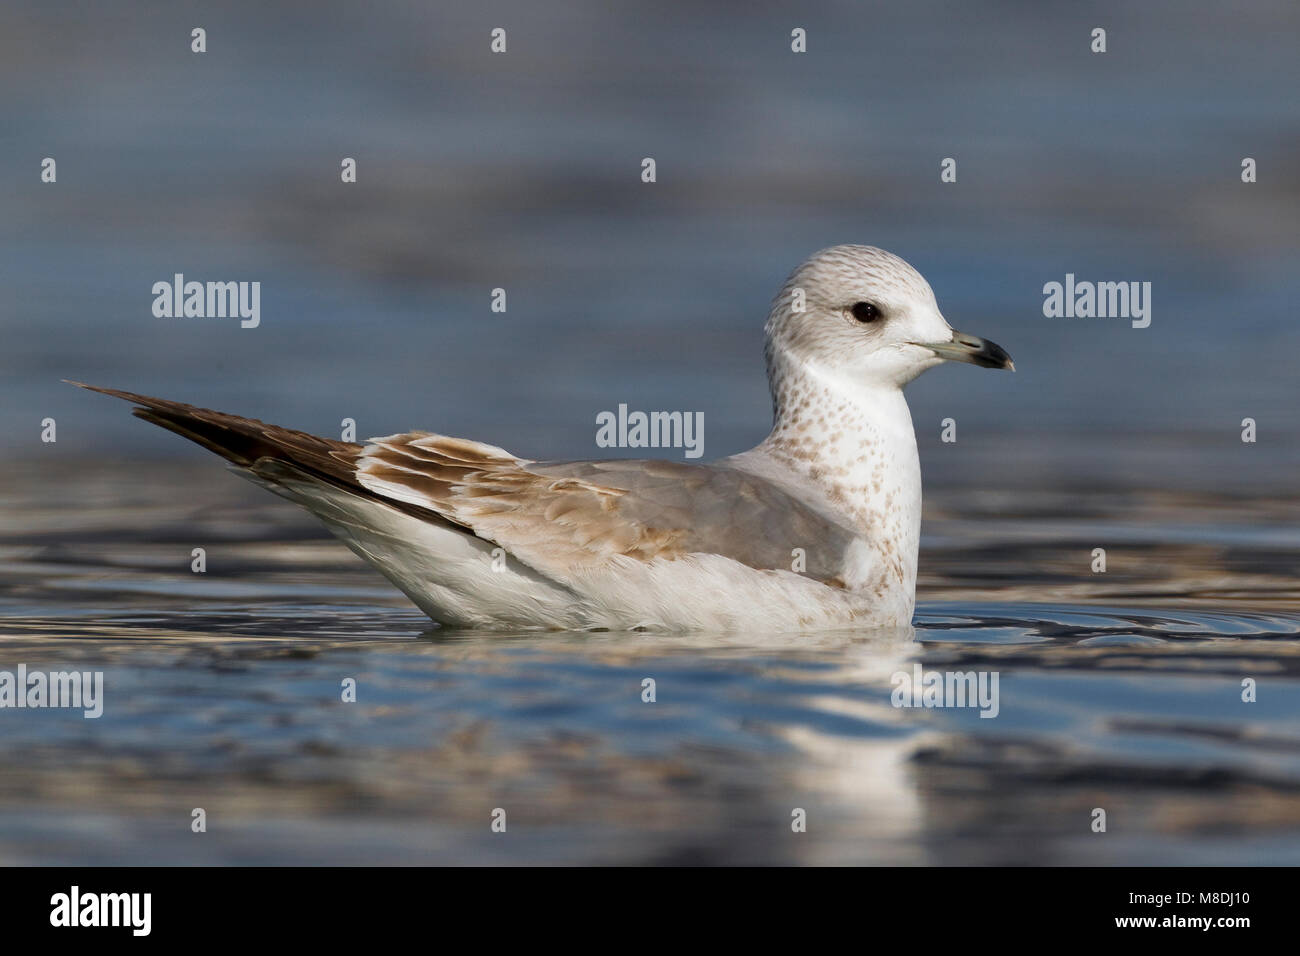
[(522, 172), (1120, 691)]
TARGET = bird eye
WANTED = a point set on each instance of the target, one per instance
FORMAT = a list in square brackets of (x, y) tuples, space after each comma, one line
[(865, 312)]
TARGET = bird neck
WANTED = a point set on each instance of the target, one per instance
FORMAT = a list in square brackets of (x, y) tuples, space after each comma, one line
[(855, 443)]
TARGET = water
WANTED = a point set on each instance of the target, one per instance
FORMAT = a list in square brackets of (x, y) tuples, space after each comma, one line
[(523, 172), (1120, 691)]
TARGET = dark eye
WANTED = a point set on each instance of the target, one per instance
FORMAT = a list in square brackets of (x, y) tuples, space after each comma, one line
[(865, 312)]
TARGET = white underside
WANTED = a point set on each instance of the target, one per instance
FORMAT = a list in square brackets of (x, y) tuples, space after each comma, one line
[(452, 576)]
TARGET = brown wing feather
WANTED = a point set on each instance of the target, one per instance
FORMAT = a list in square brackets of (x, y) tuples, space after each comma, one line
[(244, 440), (550, 523)]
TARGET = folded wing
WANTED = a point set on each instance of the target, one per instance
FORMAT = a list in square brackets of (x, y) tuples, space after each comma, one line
[(565, 519)]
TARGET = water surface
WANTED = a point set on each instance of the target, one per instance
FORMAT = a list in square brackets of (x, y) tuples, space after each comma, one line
[(1120, 691)]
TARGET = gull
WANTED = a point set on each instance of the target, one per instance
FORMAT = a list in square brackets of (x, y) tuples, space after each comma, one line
[(816, 527)]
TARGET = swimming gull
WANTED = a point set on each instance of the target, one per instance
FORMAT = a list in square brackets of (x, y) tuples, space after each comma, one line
[(816, 527)]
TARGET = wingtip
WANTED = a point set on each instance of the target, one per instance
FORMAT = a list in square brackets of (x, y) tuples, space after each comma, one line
[(113, 392)]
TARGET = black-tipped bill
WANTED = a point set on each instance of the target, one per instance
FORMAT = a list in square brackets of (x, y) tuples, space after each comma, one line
[(972, 349)]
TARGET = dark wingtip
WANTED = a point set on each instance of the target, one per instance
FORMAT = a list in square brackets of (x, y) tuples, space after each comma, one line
[(145, 400), (94, 388)]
